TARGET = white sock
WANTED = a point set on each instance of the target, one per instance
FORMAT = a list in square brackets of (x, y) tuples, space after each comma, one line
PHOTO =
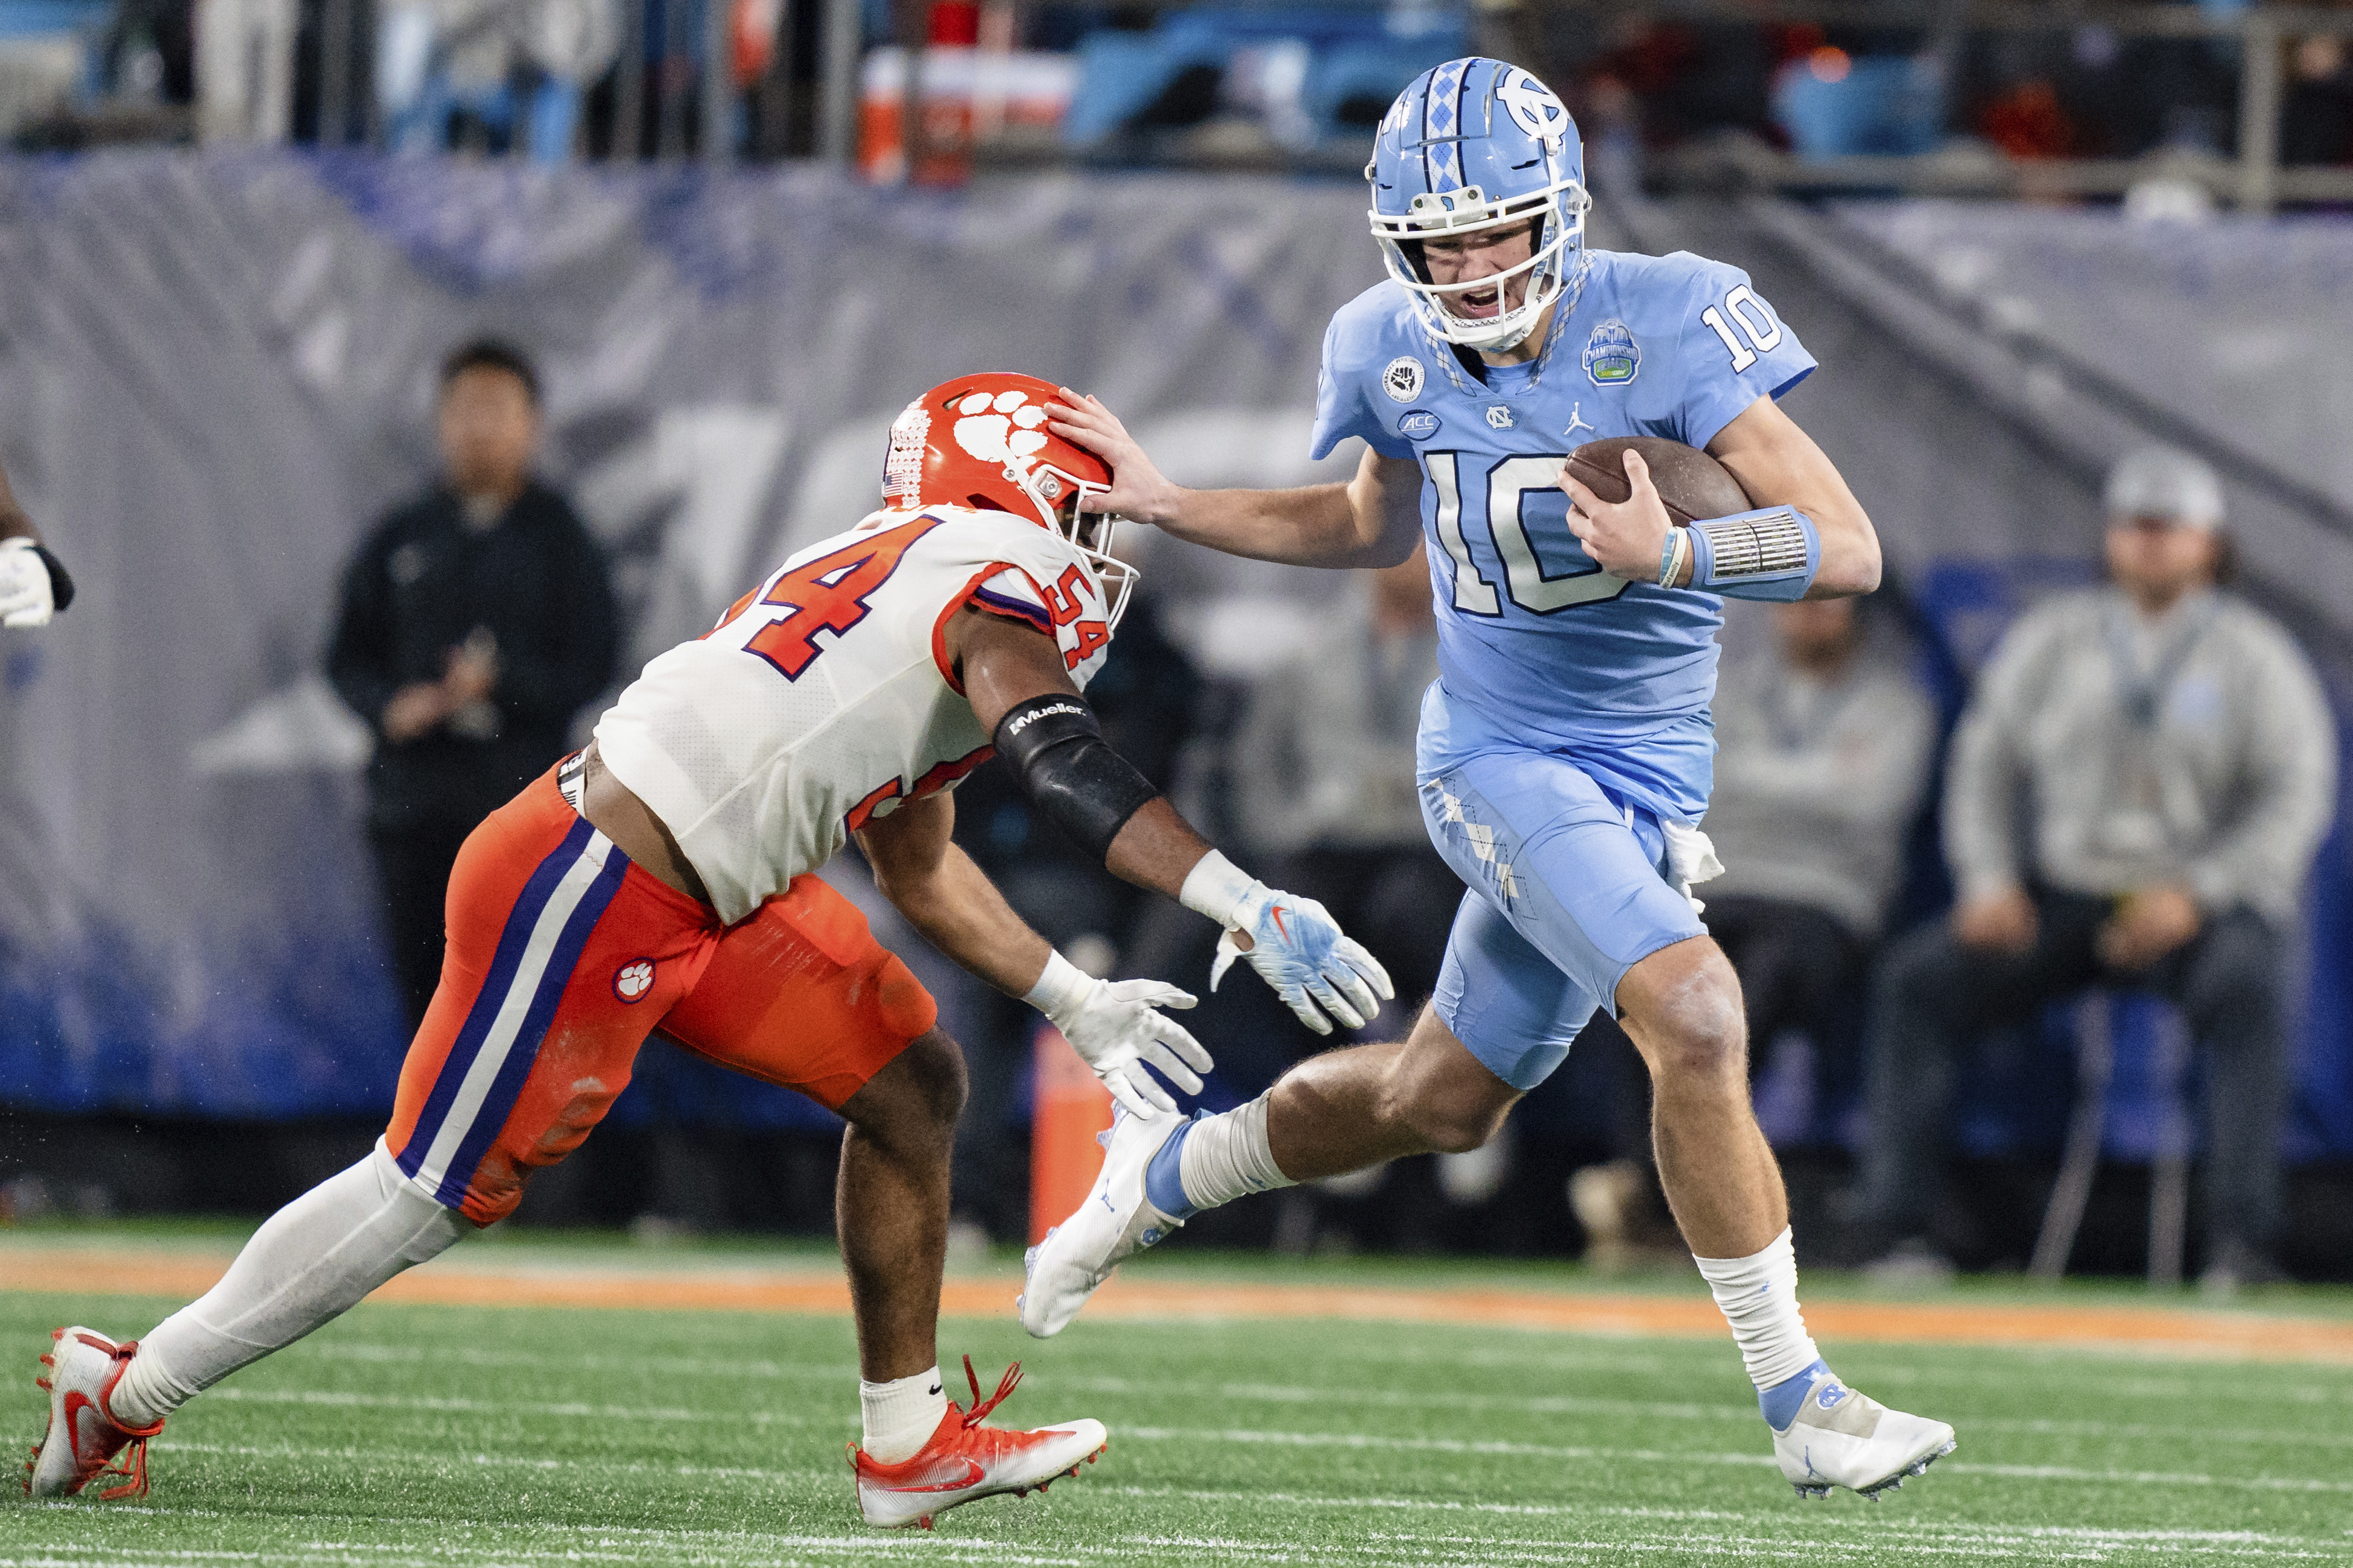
[(1226, 1156), (1759, 1297), (309, 1263), (900, 1415)]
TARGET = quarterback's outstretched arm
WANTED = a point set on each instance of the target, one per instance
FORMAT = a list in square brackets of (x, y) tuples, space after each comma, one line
[(1374, 519), (33, 581)]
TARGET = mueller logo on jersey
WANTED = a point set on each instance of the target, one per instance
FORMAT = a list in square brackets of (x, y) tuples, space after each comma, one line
[(1402, 379), (634, 979)]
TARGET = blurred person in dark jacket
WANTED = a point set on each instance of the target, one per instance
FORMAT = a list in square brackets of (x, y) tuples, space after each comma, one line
[(476, 621), (2135, 796), (1324, 775)]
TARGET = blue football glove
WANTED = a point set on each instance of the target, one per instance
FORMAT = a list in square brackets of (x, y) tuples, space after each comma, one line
[(1297, 947)]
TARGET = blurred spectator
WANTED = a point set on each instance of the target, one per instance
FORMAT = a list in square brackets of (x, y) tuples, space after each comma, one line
[(476, 621), (2135, 796), (2316, 117), (1823, 744), (1822, 751), (1323, 778), (1146, 697)]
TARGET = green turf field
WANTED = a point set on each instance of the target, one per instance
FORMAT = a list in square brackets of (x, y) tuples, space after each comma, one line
[(410, 1435)]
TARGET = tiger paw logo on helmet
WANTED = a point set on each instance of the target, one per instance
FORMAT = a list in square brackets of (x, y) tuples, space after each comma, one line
[(986, 426), (984, 442)]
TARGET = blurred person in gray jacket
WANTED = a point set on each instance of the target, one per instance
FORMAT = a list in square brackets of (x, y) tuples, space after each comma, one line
[(1823, 746), (1324, 774), (1822, 751), (2135, 796)]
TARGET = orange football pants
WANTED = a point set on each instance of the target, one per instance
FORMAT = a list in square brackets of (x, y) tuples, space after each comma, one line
[(563, 956)]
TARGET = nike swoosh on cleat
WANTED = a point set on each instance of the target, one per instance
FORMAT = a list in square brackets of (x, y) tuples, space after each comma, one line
[(1277, 913), (76, 1403), (974, 1475)]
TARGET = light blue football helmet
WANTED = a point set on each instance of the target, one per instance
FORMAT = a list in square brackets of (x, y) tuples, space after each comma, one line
[(1478, 144)]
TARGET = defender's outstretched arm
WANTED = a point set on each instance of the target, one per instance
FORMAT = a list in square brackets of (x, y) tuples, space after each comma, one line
[(1014, 676), (1374, 519)]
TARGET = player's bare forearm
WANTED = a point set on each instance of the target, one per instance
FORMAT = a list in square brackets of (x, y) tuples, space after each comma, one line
[(1371, 521), (918, 867), (1779, 465), (14, 523)]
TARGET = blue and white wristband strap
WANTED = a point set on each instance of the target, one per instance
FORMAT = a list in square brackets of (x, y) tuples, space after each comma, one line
[(1771, 553)]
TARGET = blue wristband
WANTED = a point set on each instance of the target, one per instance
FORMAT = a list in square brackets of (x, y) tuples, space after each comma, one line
[(1772, 553), (1667, 558)]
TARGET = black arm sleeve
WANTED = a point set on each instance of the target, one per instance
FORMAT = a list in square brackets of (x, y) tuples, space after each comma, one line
[(1055, 748)]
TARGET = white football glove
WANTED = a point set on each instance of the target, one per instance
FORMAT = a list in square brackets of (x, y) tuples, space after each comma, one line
[(1113, 1026), (1295, 945), (26, 596)]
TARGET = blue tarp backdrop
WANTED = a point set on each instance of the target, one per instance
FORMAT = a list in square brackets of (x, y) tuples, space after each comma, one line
[(217, 372)]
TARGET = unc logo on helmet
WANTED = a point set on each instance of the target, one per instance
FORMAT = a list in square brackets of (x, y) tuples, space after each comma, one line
[(1533, 107), (1472, 147)]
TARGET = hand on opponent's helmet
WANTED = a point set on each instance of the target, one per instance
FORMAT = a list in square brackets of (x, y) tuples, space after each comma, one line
[(1138, 490)]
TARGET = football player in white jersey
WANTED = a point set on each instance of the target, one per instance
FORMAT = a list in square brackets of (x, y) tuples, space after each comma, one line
[(664, 878), (33, 581)]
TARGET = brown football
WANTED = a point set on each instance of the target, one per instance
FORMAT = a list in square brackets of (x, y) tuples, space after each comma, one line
[(1693, 484)]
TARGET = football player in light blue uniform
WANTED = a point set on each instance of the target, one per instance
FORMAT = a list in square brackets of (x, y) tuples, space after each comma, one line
[(1566, 750)]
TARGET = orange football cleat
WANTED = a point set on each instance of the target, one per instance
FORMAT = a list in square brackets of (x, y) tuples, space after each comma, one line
[(966, 1459), (84, 1439)]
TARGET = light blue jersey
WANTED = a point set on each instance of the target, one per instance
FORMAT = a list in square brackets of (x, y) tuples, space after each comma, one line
[(1569, 724), (1535, 642)]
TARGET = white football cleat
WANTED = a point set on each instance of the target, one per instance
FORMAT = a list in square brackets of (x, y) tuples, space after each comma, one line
[(1844, 1439), (1116, 1221), (83, 1438), (964, 1460)]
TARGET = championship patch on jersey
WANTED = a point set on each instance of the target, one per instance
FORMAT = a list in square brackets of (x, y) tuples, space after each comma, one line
[(1402, 379), (1419, 425), (1613, 357)]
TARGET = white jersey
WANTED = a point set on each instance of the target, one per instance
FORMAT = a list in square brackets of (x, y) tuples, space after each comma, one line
[(824, 698)]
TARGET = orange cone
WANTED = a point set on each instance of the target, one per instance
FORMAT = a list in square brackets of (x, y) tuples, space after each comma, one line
[(1069, 1107)]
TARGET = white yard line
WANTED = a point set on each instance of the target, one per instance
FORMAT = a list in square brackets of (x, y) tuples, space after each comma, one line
[(1657, 1455)]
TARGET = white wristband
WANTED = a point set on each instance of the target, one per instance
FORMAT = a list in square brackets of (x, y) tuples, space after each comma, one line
[(1214, 888), (1060, 989)]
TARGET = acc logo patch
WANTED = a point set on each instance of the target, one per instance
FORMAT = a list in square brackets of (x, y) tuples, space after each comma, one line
[(634, 979), (1499, 417), (1402, 379), (1419, 425), (1613, 357)]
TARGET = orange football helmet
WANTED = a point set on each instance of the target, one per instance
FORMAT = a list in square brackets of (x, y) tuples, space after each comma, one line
[(981, 441)]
